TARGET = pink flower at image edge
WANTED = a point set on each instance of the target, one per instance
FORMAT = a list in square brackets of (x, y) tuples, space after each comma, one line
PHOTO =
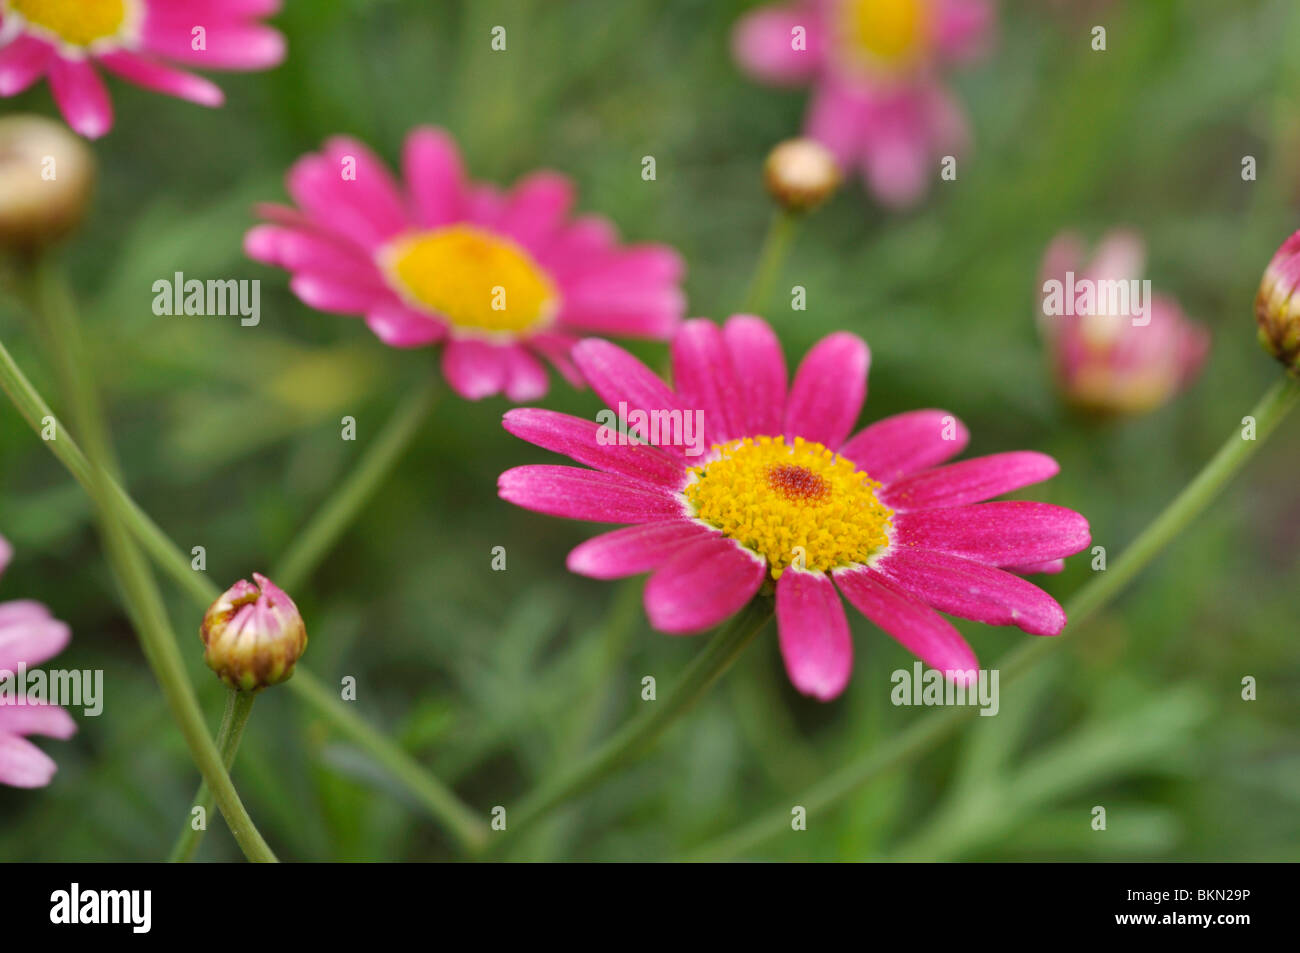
[(28, 636), (944, 547)]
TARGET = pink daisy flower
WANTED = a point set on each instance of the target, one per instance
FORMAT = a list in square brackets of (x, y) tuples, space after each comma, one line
[(138, 40), (785, 494), (1111, 363), (28, 636), (500, 277), (878, 103)]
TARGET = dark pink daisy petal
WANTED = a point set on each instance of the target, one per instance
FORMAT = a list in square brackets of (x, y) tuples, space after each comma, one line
[(300, 249), (609, 302), (907, 443), (760, 369), (36, 718), (763, 43), (1009, 533), (814, 633), (81, 97), (828, 390), (474, 369), (582, 246), (970, 481), (587, 495), (29, 636), (917, 627), (557, 349), (435, 176), (227, 45), (618, 377), (707, 581), (579, 439), (23, 765), (635, 549), (370, 185), (318, 186), (399, 326), (22, 62), (525, 375), (337, 295), (972, 590), (1051, 566), (537, 207), (705, 380), (164, 79)]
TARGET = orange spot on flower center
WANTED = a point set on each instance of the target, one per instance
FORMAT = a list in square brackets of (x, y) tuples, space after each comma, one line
[(478, 281), (75, 22), (796, 482)]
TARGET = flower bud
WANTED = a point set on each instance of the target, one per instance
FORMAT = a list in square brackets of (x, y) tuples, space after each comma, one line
[(800, 174), (1277, 310), (253, 635), (46, 177)]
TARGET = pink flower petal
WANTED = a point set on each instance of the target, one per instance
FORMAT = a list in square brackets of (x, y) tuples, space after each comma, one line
[(964, 28), (764, 46), (556, 348), (6, 553), (839, 117), (972, 590), (399, 326), (298, 249), (705, 380), (23, 765), (30, 642), (828, 390), (904, 444), (760, 370), (163, 79), (337, 204), (537, 207), (1050, 567), (581, 440), (22, 62), (475, 369), (337, 295), (707, 581), (635, 549), (36, 718), (608, 302), (525, 376), (435, 176), (579, 494), (372, 188), (1011, 533), (226, 45), (81, 96), (970, 481), (918, 628), (617, 376), (814, 633)]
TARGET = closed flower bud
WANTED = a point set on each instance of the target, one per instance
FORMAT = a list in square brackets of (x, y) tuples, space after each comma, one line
[(46, 177), (253, 635), (801, 174), (1277, 310)]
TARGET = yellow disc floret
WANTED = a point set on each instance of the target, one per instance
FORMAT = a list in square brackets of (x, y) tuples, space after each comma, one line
[(75, 22), (887, 32), (479, 281), (794, 503)]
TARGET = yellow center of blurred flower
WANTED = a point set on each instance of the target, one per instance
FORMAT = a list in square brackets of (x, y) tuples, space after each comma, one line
[(476, 280), (75, 22), (792, 504), (886, 31)]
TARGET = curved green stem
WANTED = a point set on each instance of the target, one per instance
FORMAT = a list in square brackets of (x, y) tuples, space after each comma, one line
[(705, 669), (51, 300), (776, 245), (932, 728), (442, 806), (311, 545), (239, 705)]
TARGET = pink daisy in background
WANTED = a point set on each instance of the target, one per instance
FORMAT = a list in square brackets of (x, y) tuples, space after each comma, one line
[(878, 101), (1108, 358), (138, 40), (28, 636), (500, 277), (783, 492)]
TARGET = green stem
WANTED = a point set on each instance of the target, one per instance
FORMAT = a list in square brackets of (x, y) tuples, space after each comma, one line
[(51, 300), (931, 729), (239, 705), (469, 830), (173, 562), (776, 245), (319, 536), (705, 669)]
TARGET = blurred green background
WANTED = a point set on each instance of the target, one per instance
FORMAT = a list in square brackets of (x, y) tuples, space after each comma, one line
[(230, 439)]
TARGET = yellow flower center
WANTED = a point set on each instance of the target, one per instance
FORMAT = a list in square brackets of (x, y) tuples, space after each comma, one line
[(75, 22), (476, 280), (888, 32), (795, 504)]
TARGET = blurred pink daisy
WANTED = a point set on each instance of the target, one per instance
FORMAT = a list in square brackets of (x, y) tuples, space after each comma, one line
[(784, 492), (138, 40), (878, 103), (28, 636), (499, 276), (1107, 358)]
